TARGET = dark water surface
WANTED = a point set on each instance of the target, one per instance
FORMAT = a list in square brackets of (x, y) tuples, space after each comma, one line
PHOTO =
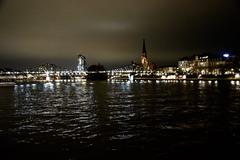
[(198, 120)]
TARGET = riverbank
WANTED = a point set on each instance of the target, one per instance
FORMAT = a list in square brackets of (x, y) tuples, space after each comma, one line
[(179, 79)]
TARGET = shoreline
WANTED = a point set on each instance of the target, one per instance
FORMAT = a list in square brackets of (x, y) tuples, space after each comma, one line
[(125, 79)]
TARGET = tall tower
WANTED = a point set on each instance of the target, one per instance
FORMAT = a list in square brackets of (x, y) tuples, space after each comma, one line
[(144, 52), (144, 59), (81, 63)]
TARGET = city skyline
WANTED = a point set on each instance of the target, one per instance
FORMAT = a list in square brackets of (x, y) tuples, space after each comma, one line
[(111, 32), (127, 79)]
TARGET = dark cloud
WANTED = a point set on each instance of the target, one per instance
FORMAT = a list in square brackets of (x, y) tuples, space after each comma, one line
[(110, 31)]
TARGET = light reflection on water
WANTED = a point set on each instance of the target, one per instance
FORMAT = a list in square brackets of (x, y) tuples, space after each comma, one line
[(142, 112)]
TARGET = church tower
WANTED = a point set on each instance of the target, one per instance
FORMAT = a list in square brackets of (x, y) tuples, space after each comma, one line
[(144, 59), (144, 52)]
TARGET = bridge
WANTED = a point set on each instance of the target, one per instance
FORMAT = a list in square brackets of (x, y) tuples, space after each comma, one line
[(125, 72)]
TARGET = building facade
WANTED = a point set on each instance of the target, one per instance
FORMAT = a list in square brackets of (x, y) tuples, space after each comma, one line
[(206, 65)]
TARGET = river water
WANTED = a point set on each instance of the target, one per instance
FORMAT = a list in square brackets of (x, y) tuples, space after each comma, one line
[(147, 119)]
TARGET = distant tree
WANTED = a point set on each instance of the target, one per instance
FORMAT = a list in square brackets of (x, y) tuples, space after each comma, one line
[(96, 75), (97, 67)]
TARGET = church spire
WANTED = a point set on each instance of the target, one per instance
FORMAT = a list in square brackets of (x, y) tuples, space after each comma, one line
[(144, 52)]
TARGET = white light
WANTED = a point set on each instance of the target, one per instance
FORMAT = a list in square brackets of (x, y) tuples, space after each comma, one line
[(237, 75), (238, 83), (226, 55)]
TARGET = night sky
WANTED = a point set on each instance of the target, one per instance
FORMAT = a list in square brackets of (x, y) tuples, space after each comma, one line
[(110, 32)]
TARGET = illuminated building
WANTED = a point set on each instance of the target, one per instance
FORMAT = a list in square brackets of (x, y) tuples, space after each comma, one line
[(167, 70), (81, 63), (207, 64)]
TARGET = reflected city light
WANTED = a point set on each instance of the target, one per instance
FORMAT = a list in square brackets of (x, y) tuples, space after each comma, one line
[(73, 84), (238, 83), (34, 86), (48, 85), (128, 82), (141, 81), (202, 84), (80, 109), (15, 87)]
